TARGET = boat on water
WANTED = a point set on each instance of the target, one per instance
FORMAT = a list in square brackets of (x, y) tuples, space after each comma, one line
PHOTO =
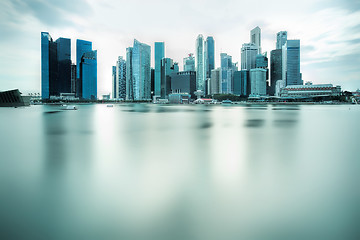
[(68, 107), (110, 105), (227, 101)]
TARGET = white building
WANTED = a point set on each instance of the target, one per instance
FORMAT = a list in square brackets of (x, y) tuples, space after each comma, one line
[(310, 90), (255, 38), (248, 56)]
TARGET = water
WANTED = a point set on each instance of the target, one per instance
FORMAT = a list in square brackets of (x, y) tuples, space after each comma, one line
[(141, 171)]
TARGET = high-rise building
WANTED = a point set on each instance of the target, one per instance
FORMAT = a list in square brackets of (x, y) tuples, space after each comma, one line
[(73, 78), (189, 63), (159, 54), (258, 82), (168, 67), (129, 75), (240, 82), (121, 78), (249, 52), (55, 66), (141, 71), (226, 73), (209, 53), (114, 92), (200, 68), (255, 38), (281, 38), (88, 75), (275, 69), (215, 81), (291, 62), (82, 47), (184, 82)]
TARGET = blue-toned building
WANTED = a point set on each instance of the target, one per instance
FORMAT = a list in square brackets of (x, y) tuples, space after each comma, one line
[(209, 56), (159, 55), (240, 80), (226, 73), (141, 71), (113, 77), (291, 62), (82, 47), (168, 67), (275, 69), (120, 78), (88, 75), (55, 66), (184, 82), (189, 63), (200, 67), (129, 80)]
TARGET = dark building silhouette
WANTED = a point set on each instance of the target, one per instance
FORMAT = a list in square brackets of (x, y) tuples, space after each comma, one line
[(184, 82)]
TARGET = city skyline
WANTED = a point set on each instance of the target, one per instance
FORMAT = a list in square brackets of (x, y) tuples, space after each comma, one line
[(328, 32)]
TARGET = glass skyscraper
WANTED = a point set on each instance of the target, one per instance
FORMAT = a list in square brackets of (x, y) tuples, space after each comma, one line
[(55, 66), (159, 55), (189, 63), (291, 62), (168, 67), (114, 92), (88, 75), (200, 68), (240, 82), (226, 73), (209, 56), (141, 71), (82, 47), (275, 69), (129, 75)]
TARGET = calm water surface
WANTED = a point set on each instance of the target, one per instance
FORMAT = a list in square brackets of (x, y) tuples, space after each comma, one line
[(142, 171)]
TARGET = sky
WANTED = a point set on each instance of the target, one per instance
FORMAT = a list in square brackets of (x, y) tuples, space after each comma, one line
[(329, 31)]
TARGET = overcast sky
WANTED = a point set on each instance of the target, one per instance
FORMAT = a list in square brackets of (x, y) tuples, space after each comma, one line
[(329, 31)]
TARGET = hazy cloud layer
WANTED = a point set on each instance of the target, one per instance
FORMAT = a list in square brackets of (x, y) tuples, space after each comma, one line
[(329, 31)]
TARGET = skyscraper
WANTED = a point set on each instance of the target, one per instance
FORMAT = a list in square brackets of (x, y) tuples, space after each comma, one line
[(226, 73), (129, 75), (291, 62), (189, 63), (215, 81), (141, 71), (183, 82), (200, 68), (240, 82), (88, 75), (281, 38), (82, 47), (168, 67), (255, 38), (114, 92), (275, 69), (209, 54), (159, 54), (249, 52), (55, 66), (121, 78), (258, 82)]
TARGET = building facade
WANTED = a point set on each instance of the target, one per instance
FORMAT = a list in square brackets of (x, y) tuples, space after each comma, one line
[(120, 78), (215, 81), (281, 38), (240, 82), (113, 77), (209, 54), (159, 55), (258, 82), (168, 67), (291, 62), (200, 68), (226, 85), (141, 71), (88, 75), (310, 90), (255, 38), (189, 63), (184, 82), (129, 75), (275, 69), (249, 52)]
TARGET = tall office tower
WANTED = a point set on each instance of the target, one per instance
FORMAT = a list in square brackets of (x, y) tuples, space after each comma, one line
[(240, 82), (255, 38), (215, 81), (82, 47), (226, 73), (114, 92), (141, 71), (209, 54), (73, 78), (261, 61), (275, 69), (258, 82), (248, 56), (281, 38), (189, 63), (64, 65), (168, 67), (55, 66), (129, 75), (121, 78), (291, 63), (200, 68), (88, 75), (152, 81), (184, 82), (159, 54)]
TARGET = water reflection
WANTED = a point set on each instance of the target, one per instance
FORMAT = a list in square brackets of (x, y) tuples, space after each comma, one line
[(142, 171)]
